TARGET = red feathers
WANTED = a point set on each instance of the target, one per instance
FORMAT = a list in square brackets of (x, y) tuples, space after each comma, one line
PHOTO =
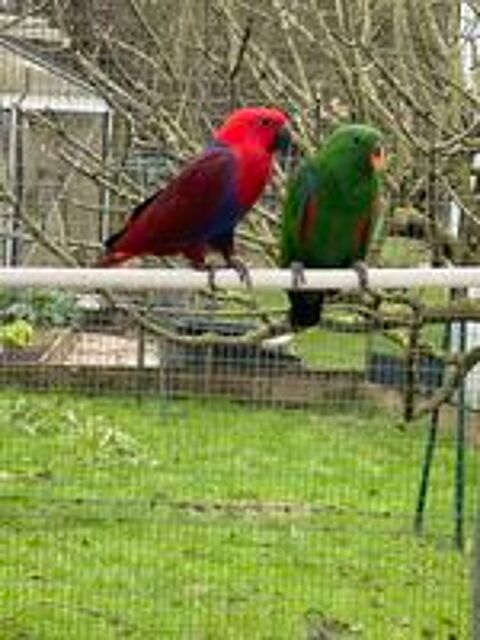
[(307, 221), (199, 209)]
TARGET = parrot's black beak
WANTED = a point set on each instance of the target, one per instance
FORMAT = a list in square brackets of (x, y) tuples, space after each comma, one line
[(287, 148), (283, 140)]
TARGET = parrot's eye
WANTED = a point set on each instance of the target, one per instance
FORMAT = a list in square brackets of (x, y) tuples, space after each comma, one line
[(265, 122), (356, 140)]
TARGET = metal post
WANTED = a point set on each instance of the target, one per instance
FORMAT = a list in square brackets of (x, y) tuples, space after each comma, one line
[(429, 453), (459, 496), (13, 242), (476, 578), (141, 344), (426, 468), (105, 194)]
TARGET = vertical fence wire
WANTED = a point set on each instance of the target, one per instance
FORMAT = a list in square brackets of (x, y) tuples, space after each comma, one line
[(232, 477), (156, 482)]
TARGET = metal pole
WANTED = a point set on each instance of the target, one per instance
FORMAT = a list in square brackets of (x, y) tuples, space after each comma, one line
[(429, 452), (141, 279), (459, 496), (425, 475), (476, 578), (105, 194), (13, 240), (8, 244)]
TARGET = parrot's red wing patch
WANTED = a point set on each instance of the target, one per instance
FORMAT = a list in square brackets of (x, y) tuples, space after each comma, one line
[(362, 232), (307, 221), (364, 226), (176, 216)]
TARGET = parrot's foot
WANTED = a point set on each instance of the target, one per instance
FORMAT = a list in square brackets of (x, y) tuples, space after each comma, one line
[(298, 274), (242, 270), (361, 270), (211, 269)]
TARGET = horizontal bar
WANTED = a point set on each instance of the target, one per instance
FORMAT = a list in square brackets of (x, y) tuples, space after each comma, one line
[(134, 279), (68, 103)]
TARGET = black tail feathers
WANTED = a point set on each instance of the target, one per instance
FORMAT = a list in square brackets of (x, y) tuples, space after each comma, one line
[(111, 240), (305, 308)]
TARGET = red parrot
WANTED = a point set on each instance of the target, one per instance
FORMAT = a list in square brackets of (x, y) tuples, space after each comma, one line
[(199, 209)]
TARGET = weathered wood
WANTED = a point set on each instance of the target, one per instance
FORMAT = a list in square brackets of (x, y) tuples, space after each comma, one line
[(59, 347)]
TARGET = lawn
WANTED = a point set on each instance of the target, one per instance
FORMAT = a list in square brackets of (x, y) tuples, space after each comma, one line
[(189, 519)]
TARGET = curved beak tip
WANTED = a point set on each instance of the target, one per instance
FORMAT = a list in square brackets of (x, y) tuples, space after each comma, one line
[(378, 159)]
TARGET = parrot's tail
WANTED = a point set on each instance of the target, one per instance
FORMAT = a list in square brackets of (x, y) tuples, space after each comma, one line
[(305, 308), (111, 259)]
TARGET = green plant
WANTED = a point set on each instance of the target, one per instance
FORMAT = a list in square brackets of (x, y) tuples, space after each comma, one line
[(42, 308), (17, 334)]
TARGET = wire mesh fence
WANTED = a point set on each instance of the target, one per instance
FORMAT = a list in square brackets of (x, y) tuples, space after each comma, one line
[(176, 461), (184, 481)]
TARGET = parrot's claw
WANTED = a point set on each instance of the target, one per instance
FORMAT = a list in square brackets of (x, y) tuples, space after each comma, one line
[(212, 285), (242, 270), (298, 275), (361, 270)]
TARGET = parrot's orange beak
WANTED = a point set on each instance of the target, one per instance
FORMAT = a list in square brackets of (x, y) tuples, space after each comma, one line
[(378, 158)]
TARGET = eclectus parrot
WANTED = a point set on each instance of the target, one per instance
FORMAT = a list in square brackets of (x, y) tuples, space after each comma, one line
[(330, 211), (199, 209)]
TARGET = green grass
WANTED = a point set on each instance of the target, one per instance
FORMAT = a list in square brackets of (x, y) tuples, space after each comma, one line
[(403, 252), (182, 519), (331, 350)]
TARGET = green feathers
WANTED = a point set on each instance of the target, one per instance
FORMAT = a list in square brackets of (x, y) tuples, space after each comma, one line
[(331, 208)]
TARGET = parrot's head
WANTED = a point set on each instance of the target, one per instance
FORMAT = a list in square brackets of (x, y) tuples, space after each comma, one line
[(357, 145), (257, 126)]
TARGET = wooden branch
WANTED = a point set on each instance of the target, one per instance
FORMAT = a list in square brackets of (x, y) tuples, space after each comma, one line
[(242, 49), (37, 232), (29, 13), (112, 92), (392, 80), (148, 29), (97, 177), (463, 365)]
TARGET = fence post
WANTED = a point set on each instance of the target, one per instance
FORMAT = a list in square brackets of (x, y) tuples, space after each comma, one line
[(105, 194), (13, 243), (476, 577)]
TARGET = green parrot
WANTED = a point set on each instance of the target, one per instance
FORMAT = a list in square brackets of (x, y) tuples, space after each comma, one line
[(330, 211)]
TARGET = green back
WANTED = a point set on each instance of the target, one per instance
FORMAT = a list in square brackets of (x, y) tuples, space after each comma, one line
[(332, 202)]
